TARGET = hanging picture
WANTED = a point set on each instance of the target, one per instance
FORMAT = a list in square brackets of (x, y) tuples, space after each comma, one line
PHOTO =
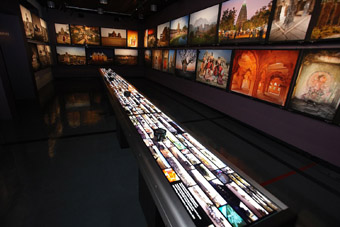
[(37, 28), (147, 58), (113, 37), (126, 56), (34, 56), (45, 56), (186, 63), (163, 34), (62, 32), (172, 61), (99, 56), (71, 55), (44, 30), (165, 65), (157, 59), (152, 39), (27, 20), (179, 31), (132, 38)]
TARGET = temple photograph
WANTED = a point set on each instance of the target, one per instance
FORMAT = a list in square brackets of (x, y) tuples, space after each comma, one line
[(179, 31), (163, 32), (62, 33), (113, 37)]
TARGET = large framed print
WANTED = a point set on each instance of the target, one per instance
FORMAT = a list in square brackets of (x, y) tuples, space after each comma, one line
[(163, 34), (213, 67), (244, 20), (317, 88), (147, 58), (179, 31), (44, 30), (27, 20), (126, 57), (157, 59), (165, 65), (77, 34), (92, 35), (62, 32), (45, 55), (99, 56), (186, 63), (203, 26), (152, 39), (113, 37), (264, 74), (328, 23), (172, 61), (71, 55), (37, 28), (132, 38), (291, 20), (33, 52)]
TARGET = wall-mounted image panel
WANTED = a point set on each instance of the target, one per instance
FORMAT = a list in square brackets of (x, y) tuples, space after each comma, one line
[(37, 28), (44, 30), (62, 32), (147, 58), (165, 65), (113, 37), (179, 31), (172, 61), (132, 38), (157, 59), (152, 39), (27, 20), (163, 34), (71, 55), (45, 55), (126, 57), (99, 56), (186, 63), (33, 52), (92, 35)]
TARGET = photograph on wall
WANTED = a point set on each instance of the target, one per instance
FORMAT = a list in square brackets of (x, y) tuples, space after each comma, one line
[(27, 20), (264, 74), (152, 39), (317, 88), (92, 35), (77, 33), (113, 37), (147, 58), (328, 23), (62, 32), (126, 57), (179, 31), (213, 67), (146, 38), (44, 30), (244, 20), (291, 20), (33, 51), (132, 38), (165, 59), (157, 59), (37, 28), (163, 34), (45, 55), (99, 56), (203, 26), (186, 63), (172, 61), (71, 55)]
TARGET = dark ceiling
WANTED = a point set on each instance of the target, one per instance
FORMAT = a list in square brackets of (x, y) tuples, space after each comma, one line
[(134, 8)]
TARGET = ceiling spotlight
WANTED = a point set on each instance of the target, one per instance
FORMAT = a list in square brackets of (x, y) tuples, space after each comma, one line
[(50, 4), (100, 11), (140, 16), (153, 7), (104, 2)]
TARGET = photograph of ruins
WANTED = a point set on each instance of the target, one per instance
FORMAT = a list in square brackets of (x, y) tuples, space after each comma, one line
[(113, 37), (179, 31), (163, 34)]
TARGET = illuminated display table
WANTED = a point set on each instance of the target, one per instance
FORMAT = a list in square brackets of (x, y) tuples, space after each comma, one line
[(189, 184)]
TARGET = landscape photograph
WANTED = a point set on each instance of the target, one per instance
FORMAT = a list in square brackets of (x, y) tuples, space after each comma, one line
[(186, 63), (126, 57), (179, 31), (99, 56), (113, 37), (163, 34), (203, 26), (27, 20), (34, 56), (62, 32), (71, 55), (92, 35), (132, 38)]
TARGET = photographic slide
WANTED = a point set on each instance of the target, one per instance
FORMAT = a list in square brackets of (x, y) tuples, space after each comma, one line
[(27, 20), (205, 172), (113, 37), (165, 66), (170, 175), (224, 178), (34, 57), (182, 159), (172, 61), (179, 31), (232, 216), (213, 158), (186, 63), (126, 57), (157, 59), (203, 26), (132, 38), (213, 67), (62, 32), (147, 58), (163, 34), (37, 28), (71, 55), (203, 159), (291, 20), (192, 159), (45, 56), (152, 39), (244, 20), (99, 56), (181, 172), (317, 89), (264, 74), (44, 30)]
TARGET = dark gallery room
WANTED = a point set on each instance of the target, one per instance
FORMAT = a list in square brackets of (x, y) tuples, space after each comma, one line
[(174, 113)]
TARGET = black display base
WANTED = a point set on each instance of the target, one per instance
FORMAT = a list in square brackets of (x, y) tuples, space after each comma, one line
[(151, 214), (123, 143)]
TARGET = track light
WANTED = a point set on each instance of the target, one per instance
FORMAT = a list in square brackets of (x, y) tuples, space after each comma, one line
[(50, 4), (104, 2), (153, 7)]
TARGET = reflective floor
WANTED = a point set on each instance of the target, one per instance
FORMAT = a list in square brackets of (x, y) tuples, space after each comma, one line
[(61, 165)]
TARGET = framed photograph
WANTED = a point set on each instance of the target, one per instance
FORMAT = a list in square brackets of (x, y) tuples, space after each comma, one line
[(77, 34), (317, 87), (27, 20), (44, 30), (165, 65), (92, 35), (45, 55), (291, 20), (132, 38), (33, 51), (99, 56), (244, 20), (126, 57), (213, 67), (37, 28), (163, 34), (264, 74), (62, 32), (71, 55), (186, 63), (179, 31), (157, 59), (152, 39), (172, 61), (146, 38), (203, 26), (147, 58), (113, 37)]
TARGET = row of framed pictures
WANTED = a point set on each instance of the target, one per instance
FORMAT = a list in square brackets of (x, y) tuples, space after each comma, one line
[(96, 56), (40, 55), (306, 81), (236, 21)]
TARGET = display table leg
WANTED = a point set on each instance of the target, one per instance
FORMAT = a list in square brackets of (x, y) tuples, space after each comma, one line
[(123, 143)]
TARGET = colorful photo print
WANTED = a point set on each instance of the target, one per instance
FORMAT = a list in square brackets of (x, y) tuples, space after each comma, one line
[(317, 89), (157, 59), (291, 20), (152, 39), (328, 23), (232, 216), (179, 31), (147, 57), (244, 20), (113, 37), (203, 26), (170, 175), (44, 30), (71, 55), (264, 74), (77, 33), (37, 28), (99, 56), (172, 61), (27, 20), (126, 57), (146, 38), (62, 32), (132, 38), (163, 34), (33, 51), (92, 36), (165, 65), (45, 56), (213, 67), (186, 63)]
